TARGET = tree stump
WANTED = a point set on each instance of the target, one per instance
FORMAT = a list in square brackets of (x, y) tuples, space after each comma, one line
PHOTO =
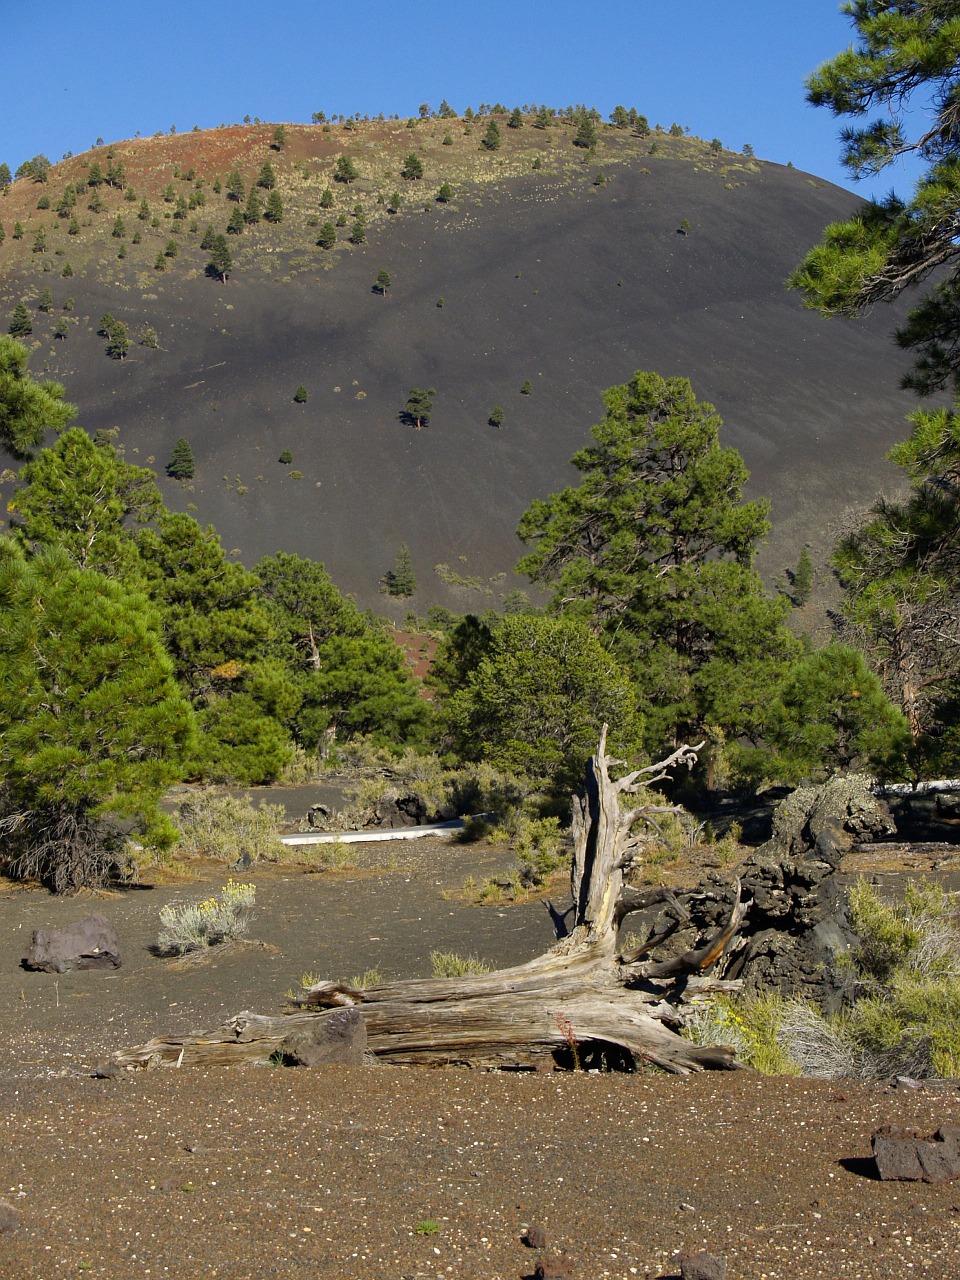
[(580, 1001)]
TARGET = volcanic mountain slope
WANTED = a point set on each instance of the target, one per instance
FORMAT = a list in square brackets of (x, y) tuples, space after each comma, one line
[(547, 265)]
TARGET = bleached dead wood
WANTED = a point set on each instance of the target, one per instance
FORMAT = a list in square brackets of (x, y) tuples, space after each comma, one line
[(581, 997)]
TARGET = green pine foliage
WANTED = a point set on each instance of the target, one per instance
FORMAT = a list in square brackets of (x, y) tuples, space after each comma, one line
[(182, 464), (412, 167), (900, 572), (21, 325), (534, 694), (830, 714), (92, 725), (803, 578), (416, 412), (653, 549), (221, 263), (28, 409), (83, 497), (491, 140), (401, 579), (253, 211), (900, 71)]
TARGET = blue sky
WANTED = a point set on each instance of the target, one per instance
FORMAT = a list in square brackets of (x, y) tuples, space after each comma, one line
[(733, 70)]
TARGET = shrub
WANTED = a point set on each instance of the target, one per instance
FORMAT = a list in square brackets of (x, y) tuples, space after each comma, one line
[(224, 827), (903, 1011), (750, 1027), (539, 845), (193, 926)]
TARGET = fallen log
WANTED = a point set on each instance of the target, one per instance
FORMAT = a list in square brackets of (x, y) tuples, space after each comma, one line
[(582, 1000)]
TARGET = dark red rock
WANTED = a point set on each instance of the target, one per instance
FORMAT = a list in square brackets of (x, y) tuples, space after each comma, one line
[(907, 1155), (702, 1266), (339, 1037), (91, 943), (9, 1218), (557, 1267)]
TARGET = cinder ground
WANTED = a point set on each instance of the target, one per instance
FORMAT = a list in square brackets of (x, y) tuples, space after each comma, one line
[(381, 1173)]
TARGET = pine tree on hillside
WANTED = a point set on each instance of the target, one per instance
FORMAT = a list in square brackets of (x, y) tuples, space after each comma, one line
[(401, 579), (181, 465), (21, 326)]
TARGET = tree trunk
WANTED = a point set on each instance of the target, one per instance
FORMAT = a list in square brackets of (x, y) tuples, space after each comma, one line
[(581, 1001)]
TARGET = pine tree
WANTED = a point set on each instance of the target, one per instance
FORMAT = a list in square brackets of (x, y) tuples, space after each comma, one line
[(412, 167), (416, 412), (274, 209), (267, 179), (28, 409), (119, 230), (92, 726), (220, 263), (346, 170), (300, 395), (898, 80), (21, 325), (516, 119), (803, 578), (254, 210), (118, 344), (236, 224), (491, 139), (235, 188), (401, 580), (181, 465), (445, 194), (328, 235), (383, 282), (646, 548), (326, 198), (586, 135), (45, 301), (496, 416)]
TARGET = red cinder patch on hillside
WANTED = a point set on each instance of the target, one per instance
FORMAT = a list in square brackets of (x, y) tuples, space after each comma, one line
[(419, 652)]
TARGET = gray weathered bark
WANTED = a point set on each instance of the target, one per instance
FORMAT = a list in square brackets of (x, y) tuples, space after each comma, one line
[(581, 999)]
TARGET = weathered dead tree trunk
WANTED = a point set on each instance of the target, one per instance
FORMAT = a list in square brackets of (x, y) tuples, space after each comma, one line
[(581, 998)]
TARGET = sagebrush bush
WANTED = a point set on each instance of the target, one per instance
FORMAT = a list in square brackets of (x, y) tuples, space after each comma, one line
[(224, 827), (225, 917)]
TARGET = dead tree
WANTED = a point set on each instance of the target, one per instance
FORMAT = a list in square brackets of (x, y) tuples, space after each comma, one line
[(581, 999)]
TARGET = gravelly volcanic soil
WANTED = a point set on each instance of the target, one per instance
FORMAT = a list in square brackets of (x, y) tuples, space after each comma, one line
[(388, 1172)]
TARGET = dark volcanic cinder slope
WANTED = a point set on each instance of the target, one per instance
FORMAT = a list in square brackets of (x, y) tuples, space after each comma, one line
[(543, 277)]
